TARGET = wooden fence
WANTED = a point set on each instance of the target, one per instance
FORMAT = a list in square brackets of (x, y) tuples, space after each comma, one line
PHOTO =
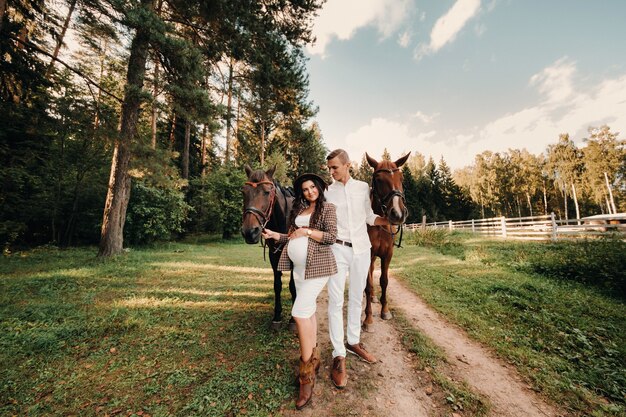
[(546, 227)]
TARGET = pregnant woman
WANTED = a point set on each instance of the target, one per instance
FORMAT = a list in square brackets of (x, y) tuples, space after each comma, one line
[(312, 232)]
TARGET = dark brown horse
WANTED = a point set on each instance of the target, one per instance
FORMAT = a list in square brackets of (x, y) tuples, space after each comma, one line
[(387, 197), (267, 204)]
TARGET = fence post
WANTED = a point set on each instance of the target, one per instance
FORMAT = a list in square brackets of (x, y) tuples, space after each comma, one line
[(423, 222), (473, 229), (503, 222), (450, 225), (554, 227)]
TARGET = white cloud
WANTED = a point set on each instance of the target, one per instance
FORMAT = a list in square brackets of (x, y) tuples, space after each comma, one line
[(563, 107), (340, 19), (404, 39), (381, 134), (448, 26), (555, 81), (425, 118)]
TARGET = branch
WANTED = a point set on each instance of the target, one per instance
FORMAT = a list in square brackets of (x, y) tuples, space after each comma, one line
[(31, 45)]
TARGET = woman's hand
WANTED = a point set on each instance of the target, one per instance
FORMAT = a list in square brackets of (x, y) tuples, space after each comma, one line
[(300, 232), (269, 234)]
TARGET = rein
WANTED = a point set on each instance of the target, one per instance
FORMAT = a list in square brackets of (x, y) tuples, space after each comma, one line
[(386, 199)]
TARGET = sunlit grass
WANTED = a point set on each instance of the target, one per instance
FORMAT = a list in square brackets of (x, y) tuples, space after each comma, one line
[(176, 329), (153, 302)]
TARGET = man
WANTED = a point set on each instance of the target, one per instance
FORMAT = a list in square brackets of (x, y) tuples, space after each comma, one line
[(352, 253)]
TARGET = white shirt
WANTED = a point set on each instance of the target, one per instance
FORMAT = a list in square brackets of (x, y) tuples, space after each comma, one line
[(354, 211)]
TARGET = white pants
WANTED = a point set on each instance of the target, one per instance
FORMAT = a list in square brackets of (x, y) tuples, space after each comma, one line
[(358, 267)]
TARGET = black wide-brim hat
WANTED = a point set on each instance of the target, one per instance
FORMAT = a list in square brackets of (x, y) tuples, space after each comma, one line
[(297, 184)]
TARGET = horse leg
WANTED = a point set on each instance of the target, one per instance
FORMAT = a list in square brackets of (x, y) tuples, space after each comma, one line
[(385, 314), (292, 290), (369, 292), (278, 307)]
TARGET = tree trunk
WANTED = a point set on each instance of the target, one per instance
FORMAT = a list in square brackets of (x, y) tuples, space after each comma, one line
[(3, 8), (172, 137), (608, 186), (155, 92), (203, 153), (530, 206), (186, 149), (262, 143), (118, 194), (229, 111), (576, 202), (55, 54), (545, 199), (565, 204)]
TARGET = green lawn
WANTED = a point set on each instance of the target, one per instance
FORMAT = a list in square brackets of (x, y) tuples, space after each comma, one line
[(567, 338), (182, 328), (178, 329)]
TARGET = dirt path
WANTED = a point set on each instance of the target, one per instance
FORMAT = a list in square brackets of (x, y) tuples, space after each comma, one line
[(486, 374), (394, 387)]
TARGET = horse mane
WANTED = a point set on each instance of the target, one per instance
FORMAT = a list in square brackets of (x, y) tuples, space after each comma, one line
[(285, 194)]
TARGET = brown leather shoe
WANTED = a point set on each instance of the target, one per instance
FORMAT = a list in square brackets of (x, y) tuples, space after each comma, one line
[(338, 373), (307, 382), (360, 351)]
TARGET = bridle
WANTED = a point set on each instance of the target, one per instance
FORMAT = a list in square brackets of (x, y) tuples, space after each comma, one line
[(384, 201), (262, 216)]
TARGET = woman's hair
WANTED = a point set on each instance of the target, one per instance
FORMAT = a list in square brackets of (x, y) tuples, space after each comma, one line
[(300, 203)]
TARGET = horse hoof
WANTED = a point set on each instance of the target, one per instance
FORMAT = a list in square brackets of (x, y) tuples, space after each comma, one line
[(368, 328), (386, 315), (276, 325), (293, 328)]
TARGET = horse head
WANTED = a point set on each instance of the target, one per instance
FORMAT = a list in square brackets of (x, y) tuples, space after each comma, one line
[(387, 190), (259, 196)]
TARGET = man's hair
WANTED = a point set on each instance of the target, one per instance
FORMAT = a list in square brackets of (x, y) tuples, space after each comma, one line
[(341, 154)]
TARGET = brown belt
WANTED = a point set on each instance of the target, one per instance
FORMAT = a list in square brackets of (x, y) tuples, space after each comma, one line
[(341, 242)]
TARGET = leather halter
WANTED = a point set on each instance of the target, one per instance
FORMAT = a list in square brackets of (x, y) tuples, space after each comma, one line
[(262, 216), (389, 196), (386, 199)]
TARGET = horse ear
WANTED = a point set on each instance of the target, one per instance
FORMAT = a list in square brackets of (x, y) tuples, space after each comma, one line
[(402, 160), (373, 163), (270, 172), (248, 170)]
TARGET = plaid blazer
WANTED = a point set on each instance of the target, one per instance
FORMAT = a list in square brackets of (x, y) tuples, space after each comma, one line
[(320, 261)]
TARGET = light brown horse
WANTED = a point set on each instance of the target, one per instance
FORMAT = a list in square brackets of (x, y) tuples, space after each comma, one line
[(387, 196)]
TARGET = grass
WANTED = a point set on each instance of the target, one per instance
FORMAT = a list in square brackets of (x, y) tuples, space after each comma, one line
[(176, 329), (568, 338), (182, 328)]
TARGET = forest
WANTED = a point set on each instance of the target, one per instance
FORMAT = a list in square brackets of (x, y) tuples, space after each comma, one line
[(125, 122)]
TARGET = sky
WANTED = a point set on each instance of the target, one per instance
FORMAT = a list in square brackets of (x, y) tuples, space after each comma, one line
[(454, 78)]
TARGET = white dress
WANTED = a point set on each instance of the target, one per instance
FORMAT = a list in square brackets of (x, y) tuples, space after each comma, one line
[(307, 290)]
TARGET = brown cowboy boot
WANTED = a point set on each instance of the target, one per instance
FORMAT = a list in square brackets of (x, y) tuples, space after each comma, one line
[(316, 359), (307, 382)]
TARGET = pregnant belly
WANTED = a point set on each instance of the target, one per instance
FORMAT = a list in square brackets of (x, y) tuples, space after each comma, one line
[(297, 250)]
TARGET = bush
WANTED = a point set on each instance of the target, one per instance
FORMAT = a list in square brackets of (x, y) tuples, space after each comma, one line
[(217, 202), (446, 242), (601, 263), (154, 213)]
